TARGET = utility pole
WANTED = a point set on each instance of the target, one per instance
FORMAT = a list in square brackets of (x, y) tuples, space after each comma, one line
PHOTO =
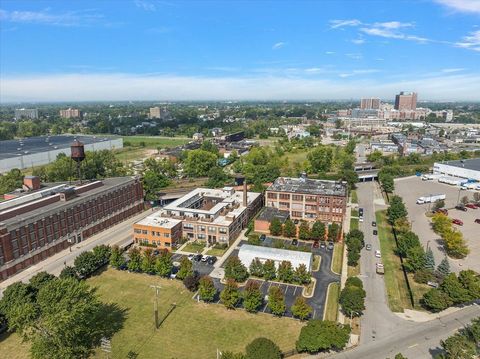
[(155, 308)]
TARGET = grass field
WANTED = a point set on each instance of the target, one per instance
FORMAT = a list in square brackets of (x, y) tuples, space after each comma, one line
[(353, 223), (337, 258), (353, 271), (154, 141), (354, 212), (192, 330), (216, 252), (354, 196), (128, 154), (293, 162), (331, 308), (395, 285), (194, 247)]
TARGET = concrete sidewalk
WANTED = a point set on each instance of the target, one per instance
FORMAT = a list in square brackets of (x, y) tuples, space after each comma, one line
[(218, 271)]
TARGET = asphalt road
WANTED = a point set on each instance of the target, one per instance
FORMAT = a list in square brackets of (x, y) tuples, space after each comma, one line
[(117, 234), (377, 321), (419, 341)]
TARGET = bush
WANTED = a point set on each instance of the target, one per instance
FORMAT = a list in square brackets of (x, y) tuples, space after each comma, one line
[(423, 276), (254, 239), (206, 289), (252, 297), (354, 282), (262, 348), (191, 282), (322, 335), (436, 300), (234, 269)]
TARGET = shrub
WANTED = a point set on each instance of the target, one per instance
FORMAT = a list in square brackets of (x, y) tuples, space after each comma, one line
[(322, 335), (423, 276), (436, 300), (191, 282), (262, 348), (206, 289)]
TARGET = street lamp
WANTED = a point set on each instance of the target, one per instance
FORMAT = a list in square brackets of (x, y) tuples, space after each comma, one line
[(155, 308)]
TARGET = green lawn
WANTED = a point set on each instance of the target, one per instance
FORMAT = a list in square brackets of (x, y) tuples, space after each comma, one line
[(354, 196), (216, 252), (194, 247), (316, 263), (11, 347), (128, 154), (331, 308), (353, 223), (354, 212), (154, 141), (395, 285), (353, 271), (337, 258)]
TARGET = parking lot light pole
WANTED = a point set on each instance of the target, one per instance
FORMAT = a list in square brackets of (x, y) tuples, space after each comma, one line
[(155, 308)]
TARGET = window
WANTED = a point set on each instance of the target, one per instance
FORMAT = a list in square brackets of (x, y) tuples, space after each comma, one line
[(272, 195), (158, 234), (285, 204), (144, 231), (297, 214), (212, 230), (310, 198), (297, 197), (137, 231), (188, 226), (166, 235), (222, 230), (167, 244), (200, 236), (284, 196)]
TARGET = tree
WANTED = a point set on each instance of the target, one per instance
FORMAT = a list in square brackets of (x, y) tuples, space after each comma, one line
[(289, 229), (134, 264), (153, 182), (300, 309), (116, 258), (235, 269), (262, 348), (407, 241), (387, 182), (269, 270), (439, 204), (353, 258), (320, 159), (415, 259), (17, 305), (320, 335), (318, 230), (455, 245), (11, 181), (458, 347), (206, 289), (304, 230), (276, 301), (441, 223), (444, 267), (252, 297), (400, 356), (285, 272), (199, 162), (301, 274), (436, 300), (230, 295), (333, 232), (396, 209), (40, 279), (275, 227), (216, 177), (163, 264), (464, 200), (352, 300), (429, 260), (68, 272), (85, 264), (148, 261), (186, 268), (454, 289), (256, 268), (471, 282), (191, 282)]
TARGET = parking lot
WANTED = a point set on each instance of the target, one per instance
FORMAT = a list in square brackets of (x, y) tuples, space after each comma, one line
[(412, 188), (202, 268)]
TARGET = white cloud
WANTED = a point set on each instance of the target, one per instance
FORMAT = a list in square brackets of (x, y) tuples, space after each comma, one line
[(335, 24), (116, 87), (355, 56), (145, 5), (471, 41), (329, 52), (358, 41), (461, 5), (278, 45), (72, 18), (450, 70), (392, 24)]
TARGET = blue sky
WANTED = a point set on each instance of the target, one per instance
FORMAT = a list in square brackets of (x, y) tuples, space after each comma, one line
[(246, 50)]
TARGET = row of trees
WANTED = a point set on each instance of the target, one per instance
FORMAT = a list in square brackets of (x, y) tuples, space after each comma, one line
[(87, 263), (465, 344), (453, 291), (317, 231), (453, 240), (352, 297), (235, 270), (355, 243)]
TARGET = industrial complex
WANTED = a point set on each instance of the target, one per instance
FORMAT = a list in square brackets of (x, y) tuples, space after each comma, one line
[(38, 151), (464, 169)]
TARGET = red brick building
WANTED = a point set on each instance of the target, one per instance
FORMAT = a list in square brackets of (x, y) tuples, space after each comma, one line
[(41, 223)]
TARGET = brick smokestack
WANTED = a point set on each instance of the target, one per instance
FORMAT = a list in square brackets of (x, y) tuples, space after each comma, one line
[(245, 202)]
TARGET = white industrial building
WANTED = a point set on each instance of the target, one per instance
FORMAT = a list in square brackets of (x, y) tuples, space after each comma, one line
[(248, 253), (466, 169)]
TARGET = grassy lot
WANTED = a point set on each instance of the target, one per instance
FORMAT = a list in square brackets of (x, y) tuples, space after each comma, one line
[(331, 308), (191, 330), (316, 262), (154, 141), (194, 247), (418, 290), (292, 162), (354, 212), (353, 223), (396, 287), (216, 252), (128, 154), (337, 258), (354, 196), (353, 271)]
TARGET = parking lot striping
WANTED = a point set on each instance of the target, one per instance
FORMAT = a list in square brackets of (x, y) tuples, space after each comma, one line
[(413, 345), (313, 315), (295, 290)]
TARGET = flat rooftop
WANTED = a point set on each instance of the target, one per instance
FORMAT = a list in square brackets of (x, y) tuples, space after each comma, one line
[(14, 148), (269, 213), (309, 186), (471, 164), (49, 209), (155, 220)]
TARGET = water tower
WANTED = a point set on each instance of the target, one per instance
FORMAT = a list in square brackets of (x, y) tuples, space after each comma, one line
[(78, 155)]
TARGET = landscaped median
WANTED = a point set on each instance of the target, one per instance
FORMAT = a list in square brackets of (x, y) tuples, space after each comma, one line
[(331, 307), (337, 258)]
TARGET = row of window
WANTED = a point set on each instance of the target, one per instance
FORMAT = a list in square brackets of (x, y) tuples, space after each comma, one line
[(307, 198), (202, 228), (153, 233), (146, 242)]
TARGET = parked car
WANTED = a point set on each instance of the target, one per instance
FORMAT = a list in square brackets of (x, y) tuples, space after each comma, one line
[(315, 244), (322, 244), (191, 256), (205, 258), (197, 257), (471, 205), (378, 254), (330, 245), (374, 224), (477, 220), (262, 237), (360, 219), (441, 210), (461, 207), (360, 212), (380, 269), (294, 242), (212, 260), (368, 247), (375, 232), (457, 222)]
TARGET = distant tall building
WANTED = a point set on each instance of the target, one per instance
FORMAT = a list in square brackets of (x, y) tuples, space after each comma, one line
[(406, 101), (159, 112), (370, 103), (71, 113), (31, 113)]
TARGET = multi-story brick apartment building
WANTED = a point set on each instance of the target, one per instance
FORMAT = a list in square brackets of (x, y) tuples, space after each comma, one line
[(41, 223), (308, 199), (207, 215)]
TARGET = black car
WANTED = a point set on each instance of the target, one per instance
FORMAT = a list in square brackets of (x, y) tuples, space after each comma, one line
[(262, 237), (197, 258), (212, 260), (360, 211), (461, 207), (374, 224), (294, 242), (375, 232)]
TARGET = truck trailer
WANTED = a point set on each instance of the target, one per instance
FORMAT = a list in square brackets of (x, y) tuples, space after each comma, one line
[(431, 198)]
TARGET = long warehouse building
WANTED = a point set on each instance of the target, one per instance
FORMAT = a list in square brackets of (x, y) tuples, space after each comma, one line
[(37, 151), (467, 169)]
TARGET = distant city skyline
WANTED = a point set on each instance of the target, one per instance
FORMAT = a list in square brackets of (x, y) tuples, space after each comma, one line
[(53, 51)]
